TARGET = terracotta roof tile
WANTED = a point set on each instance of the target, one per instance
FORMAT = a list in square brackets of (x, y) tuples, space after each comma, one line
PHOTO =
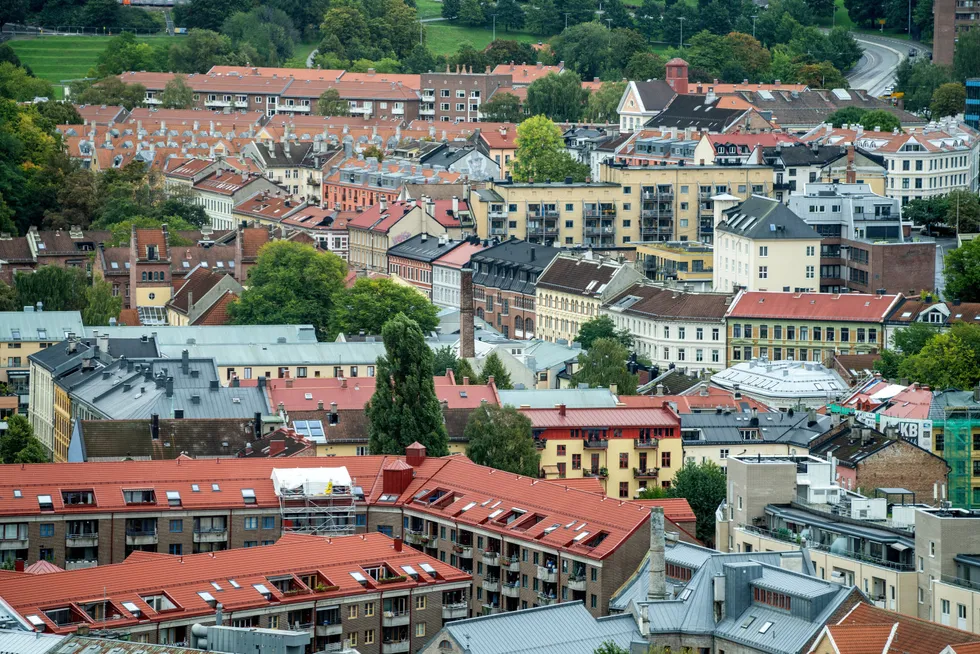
[(912, 636), (813, 306), (253, 238), (218, 313), (199, 281)]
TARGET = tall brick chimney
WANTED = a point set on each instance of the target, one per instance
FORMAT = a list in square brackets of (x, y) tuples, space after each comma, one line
[(851, 173), (467, 349)]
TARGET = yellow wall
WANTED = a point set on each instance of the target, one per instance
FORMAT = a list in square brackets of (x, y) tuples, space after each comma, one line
[(62, 424), (176, 319), (661, 253), (788, 263), (957, 595), (823, 646), (141, 295), (713, 453), (350, 449), (225, 372), (553, 307), (21, 349)]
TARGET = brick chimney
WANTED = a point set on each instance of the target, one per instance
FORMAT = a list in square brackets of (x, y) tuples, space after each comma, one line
[(677, 75), (851, 174), (277, 447), (415, 454), (467, 348), (658, 575)]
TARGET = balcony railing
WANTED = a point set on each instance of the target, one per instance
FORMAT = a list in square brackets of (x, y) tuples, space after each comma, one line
[(210, 535), (645, 473), (395, 646), (79, 539), (646, 443), (596, 444), (545, 599), (790, 537), (416, 537), (512, 563), (547, 574), (14, 543), (395, 618), (491, 558), (511, 589), (80, 564), (576, 581), (490, 609), (464, 551), (330, 629), (962, 583), (491, 585)]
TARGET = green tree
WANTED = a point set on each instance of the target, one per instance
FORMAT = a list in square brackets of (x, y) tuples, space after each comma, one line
[(57, 288), (208, 14), (603, 103), (948, 100), (291, 284), (8, 297), (109, 91), (199, 51), (844, 51), (444, 359), (330, 104), (541, 155), (120, 232), (100, 304), (918, 81), (471, 13), (509, 14), (125, 52), (559, 97), (966, 59), (404, 408), (59, 113), (494, 367), (963, 211), (542, 18), (500, 437), (503, 107), (16, 84), (18, 444), (646, 65), (450, 8), (177, 94), (962, 272), (864, 13), (910, 340), (944, 362), (927, 212), (604, 364), (703, 486), (883, 120), (846, 116), (654, 493), (821, 75), (370, 303), (421, 60), (602, 327)]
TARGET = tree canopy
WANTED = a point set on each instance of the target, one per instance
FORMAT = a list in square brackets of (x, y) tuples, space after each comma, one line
[(703, 485), (18, 444), (57, 288), (500, 437), (541, 155), (602, 327), (404, 408), (370, 303), (962, 271), (603, 365), (494, 367)]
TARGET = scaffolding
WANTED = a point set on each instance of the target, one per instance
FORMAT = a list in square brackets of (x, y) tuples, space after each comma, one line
[(318, 501), (958, 426)]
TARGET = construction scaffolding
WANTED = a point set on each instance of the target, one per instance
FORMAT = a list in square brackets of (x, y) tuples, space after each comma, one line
[(318, 501), (960, 429)]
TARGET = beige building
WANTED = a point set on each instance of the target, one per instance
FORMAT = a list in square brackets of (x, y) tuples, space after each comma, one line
[(629, 205), (688, 263), (571, 290), (761, 245), (372, 233)]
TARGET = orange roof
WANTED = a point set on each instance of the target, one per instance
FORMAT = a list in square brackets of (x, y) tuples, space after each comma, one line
[(695, 403), (912, 635), (184, 578), (603, 417), (297, 73), (407, 80), (845, 307), (130, 317), (253, 238), (676, 509), (861, 639), (504, 138), (218, 314), (42, 567), (526, 73), (590, 484), (459, 256), (148, 237)]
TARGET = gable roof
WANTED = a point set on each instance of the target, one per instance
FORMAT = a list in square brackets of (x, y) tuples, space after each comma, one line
[(198, 282), (761, 218), (649, 301), (846, 307), (695, 111), (911, 635), (653, 95), (579, 275)]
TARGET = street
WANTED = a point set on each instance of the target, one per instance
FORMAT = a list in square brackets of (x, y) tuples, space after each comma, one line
[(882, 55)]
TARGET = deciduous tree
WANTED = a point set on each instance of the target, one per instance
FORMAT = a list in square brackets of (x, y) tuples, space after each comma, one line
[(604, 364), (16, 84), (948, 100), (370, 303), (540, 153), (404, 408), (330, 104), (494, 367), (18, 444), (944, 362), (108, 91), (57, 288), (604, 102), (503, 107), (500, 437), (559, 97), (177, 94), (602, 327), (509, 14), (703, 485), (100, 304), (963, 211), (881, 120), (962, 271)]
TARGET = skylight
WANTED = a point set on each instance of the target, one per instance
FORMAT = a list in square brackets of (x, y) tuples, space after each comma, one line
[(216, 585), (36, 621), (765, 627), (469, 506), (195, 488), (233, 583), (248, 494), (409, 570), (173, 498), (215, 488), (45, 503), (17, 493), (132, 608), (206, 596), (358, 577), (428, 568)]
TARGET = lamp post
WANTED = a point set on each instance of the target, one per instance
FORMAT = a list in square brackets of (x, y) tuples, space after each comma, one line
[(753, 25), (494, 27), (682, 19)]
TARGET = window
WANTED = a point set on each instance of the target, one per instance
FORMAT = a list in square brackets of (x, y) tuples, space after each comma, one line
[(561, 450), (176, 526), (46, 529), (763, 272), (352, 638), (624, 489), (624, 460), (268, 522), (419, 629), (763, 250), (251, 523), (420, 602), (352, 612), (576, 462), (176, 549), (368, 609), (369, 637), (665, 459)]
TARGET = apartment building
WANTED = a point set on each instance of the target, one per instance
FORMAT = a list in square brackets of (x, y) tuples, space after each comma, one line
[(795, 166), (221, 191), (761, 242), (203, 298), (525, 555), (23, 334), (950, 19), (500, 145), (947, 567), (369, 590), (526, 74), (447, 273), (805, 326), (457, 96), (673, 327), (411, 260), (783, 384), (737, 149), (379, 228), (865, 246), (685, 264), (573, 288), (359, 183), (505, 278), (931, 310), (920, 161)]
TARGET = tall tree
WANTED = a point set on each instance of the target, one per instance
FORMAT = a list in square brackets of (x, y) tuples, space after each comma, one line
[(404, 408), (541, 155), (494, 367), (646, 65), (109, 91), (450, 8), (199, 51), (291, 284), (704, 486), (8, 297), (16, 84), (604, 364), (944, 362), (503, 107), (602, 327), (966, 60), (370, 303), (125, 52), (880, 119), (330, 104), (962, 271), (542, 18), (604, 102), (100, 304), (177, 94), (501, 438), (846, 116), (18, 444), (57, 288), (559, 97), (948, 100), (471, 13), (509, 14), (208, 14), (963, 211), (927, 212)]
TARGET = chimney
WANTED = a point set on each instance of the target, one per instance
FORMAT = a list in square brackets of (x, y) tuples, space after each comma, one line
[(658, 575), (415, 454), (660, 390), (811, 417), (277, 447), (185, 364), (398, 544), (467, 347), (19, 565), (851, 174), (155, 426), (561, 410), (170, 386)]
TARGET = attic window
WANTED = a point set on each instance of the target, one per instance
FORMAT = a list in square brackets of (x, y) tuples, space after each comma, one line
[(265, 592), (248, 495), (140, 496), (76, 497), (15, 333), (173, 498), (215, 488), (42, 334), (233, 583), (44, 503), (469, 506), (359, 578), (132, 608), (17, 493), (208, 597), (765, 627), (748, 622), (308, 396), (195, 488), (597, 539)]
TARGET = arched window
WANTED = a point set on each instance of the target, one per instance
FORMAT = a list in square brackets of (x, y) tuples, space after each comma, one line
[(528, 327), (519, 323)]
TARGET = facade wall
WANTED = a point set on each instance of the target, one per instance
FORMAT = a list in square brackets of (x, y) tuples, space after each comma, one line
[(416, 273), (902, 465), (41, 410), (325, 369), (695, 345), (506, 311), (923, 174), (963, 604), (777, 344), (62, 424), (766, 265), (445, 286), (443, 93), (560, 315)]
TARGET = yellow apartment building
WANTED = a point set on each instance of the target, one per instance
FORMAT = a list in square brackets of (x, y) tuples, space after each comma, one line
[(689, 263)]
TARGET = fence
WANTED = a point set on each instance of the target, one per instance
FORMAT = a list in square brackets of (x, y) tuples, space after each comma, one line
[(12, 29)]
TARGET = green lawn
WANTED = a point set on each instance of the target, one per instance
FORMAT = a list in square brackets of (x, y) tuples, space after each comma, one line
[(446, 37), (842, 19), (300, 52), (57, 58), (428, 8)]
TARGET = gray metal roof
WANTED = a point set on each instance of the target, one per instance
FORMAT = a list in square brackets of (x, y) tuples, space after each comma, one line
[(780, 427), (573, 398), (282, 354), (677, 553), (566, 628), (28, 642), (760, 218), (39, 325), (213, 335)]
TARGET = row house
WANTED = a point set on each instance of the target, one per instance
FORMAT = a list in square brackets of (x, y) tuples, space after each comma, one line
[(505, 278), (221, 191), (457, 96), (671, 327), (296, 166), (358, 183), (737, 149), (68, 248), (369, 592), (447, 273), (382, 226), (524, 541), (412, 259), (572, 289), (805, 326), (327, 229), (231, 92)]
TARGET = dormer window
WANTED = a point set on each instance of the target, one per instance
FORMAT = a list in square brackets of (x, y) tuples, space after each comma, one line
[(76, 497), (173, 498), (45, 503), (151, 252), (140, 496)]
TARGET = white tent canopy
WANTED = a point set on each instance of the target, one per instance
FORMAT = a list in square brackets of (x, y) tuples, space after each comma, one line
[(309, 481)]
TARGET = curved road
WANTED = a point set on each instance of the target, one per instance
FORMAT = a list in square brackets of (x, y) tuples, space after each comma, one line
[(882, 55)]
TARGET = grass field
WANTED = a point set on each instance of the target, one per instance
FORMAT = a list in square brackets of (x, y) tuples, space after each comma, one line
[(446, 37), (300, 52), (428, 8), (57, 58), (842, 19)]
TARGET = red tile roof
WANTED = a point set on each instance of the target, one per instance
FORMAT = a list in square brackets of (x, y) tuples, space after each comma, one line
[(504, 138), (375, 219), (676, 509), (694, 403), (459, 256), (444, 212), (354, 393), (843, 307), (225, 183), (129, 317), (526, 73), (199, 281), (218, 314), (147, 237), (590, 484), (609, 417), (184, 577), (912, 635), (42, 567), (861, 639), (253, 238)]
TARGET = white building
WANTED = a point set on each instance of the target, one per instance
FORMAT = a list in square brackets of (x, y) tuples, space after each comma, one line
[(850, 211), (783, 384), (671, 326), (446, 273), (760, 245)]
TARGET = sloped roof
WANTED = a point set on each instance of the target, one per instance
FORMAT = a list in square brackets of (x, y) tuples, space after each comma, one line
[(579, 275), (198, 282), (912, 636), (110, 440), (846, 307), (649, 301), (760, 218)]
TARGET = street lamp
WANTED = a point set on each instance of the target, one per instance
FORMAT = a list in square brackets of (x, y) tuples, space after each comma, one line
[(682, 19), (753, 25), (609, 21), (494, 27), (566, 20)]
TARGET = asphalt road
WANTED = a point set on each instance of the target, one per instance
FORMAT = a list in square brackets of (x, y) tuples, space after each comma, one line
[(882, 55)]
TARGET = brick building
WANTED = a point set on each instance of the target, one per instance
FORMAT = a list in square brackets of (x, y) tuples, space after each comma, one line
[(458, 96), (505, 277), (411, 260)]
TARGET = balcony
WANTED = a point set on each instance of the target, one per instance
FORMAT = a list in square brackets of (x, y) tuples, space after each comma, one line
[(783, 186), (547, 575), (605, 229), (511, 589), (296, 108), (654, 212), (210, 535), (489, 609), (152, 102), (491, 558), (395, 618), (788, 536), (141, 537), (645, 473), (13, 544), (332, 629), (332, 647), (398, 111), (598, 473), (463, 551), (395, 646), (491, 584), (220, 104), (511, 563), (546, 600), (498, 230), (595, 444), (427, 111), (498, 214), (361, 110), (455, 611), (647, 443), (413, 537), (542, 213), (82, 540), (576, 582), (80, 564)]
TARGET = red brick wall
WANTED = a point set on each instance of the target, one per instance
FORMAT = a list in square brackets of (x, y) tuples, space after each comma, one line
[(902, 465)]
